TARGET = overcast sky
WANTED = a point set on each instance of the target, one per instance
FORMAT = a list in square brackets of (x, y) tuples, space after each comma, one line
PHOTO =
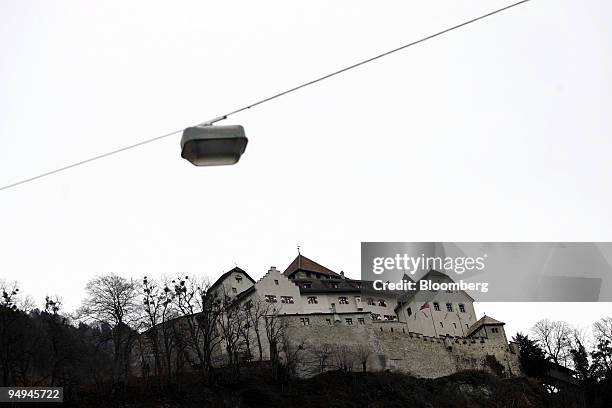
[(498, 132)]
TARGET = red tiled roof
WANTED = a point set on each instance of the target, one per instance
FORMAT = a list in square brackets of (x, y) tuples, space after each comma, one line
[(301, 263)]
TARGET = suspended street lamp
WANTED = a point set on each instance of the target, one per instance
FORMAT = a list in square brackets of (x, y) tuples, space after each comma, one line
[(208, 145)]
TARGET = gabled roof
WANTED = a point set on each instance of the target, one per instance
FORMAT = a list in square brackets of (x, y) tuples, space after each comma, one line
[(484, 321), (435, 274), (301, 263), (228, 273)]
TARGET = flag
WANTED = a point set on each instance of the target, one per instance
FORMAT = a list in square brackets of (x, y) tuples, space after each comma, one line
[(425, 306)]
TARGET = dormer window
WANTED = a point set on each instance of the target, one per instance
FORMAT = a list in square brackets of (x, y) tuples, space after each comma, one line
[(343, 300), (381, 302), (333, 285)]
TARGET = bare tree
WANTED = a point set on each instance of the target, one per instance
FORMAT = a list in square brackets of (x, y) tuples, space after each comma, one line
[(556, 338), (292, 353), (230, 328), (152, 303), (322, 353), (10, 333), (256, 310), (602, 329), (199, 312), (275, 328), (55, 325), (344, 357), (112, 300), (158, 310), (362, 353), (245, 330)]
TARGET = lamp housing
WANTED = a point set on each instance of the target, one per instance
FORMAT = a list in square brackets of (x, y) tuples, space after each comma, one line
[(207, 145)]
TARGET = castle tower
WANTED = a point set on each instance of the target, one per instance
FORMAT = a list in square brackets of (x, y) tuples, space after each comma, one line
[(489, 328)]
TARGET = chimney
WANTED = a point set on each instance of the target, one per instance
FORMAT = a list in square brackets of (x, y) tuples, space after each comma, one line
[(342, 274), (273, 269)]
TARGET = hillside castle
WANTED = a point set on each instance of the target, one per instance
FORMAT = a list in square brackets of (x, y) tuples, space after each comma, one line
[(429, 334)]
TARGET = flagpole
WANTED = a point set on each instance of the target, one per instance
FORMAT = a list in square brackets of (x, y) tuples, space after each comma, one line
[(460, 324), (432, 321)]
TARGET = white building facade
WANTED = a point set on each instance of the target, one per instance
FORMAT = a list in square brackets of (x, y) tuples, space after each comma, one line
[(308, 288)]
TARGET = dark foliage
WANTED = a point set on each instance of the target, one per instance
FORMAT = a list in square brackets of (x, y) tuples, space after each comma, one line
[(532, 357)]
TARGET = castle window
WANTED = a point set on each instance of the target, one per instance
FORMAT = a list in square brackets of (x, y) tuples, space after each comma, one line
[(329, 322), (449, 307), (461, 307), (441, 324), (238, 278), (494, 330), (312, 300), (389, 318), (409, 312), (455, 324), (371, 302), (361, 321), (305, 321), (381, 302), (271, 298), (286, 299), (349, 321), (276, 281), (343, 300), (307, 285), (436, 306), (375, 316), (234, 290)]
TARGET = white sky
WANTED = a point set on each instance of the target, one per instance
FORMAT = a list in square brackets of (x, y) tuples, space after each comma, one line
[(498, 132)]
